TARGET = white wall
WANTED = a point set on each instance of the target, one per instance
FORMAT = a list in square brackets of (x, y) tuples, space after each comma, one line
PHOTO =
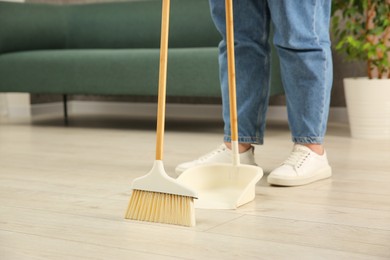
[(15, 105), (12, 104)]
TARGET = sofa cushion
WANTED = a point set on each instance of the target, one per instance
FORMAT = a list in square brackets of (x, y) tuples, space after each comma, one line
[(110, 71)]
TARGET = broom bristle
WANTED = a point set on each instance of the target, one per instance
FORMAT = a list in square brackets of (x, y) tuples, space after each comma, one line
[(161, 207)]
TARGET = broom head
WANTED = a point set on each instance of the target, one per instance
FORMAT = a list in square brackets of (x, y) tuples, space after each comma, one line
[(156, 197)]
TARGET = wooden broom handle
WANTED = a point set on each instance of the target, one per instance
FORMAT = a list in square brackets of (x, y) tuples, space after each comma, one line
[(162, 83), (231, 69)]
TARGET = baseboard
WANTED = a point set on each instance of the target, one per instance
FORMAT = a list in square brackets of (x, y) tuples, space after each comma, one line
[(177, 111), (47, 109)]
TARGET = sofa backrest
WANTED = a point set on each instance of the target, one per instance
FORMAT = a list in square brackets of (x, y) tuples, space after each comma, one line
[(104, 25), (31, 27), (137, 25)]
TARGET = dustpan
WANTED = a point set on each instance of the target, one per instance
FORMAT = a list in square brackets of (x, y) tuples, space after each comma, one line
[(222, 186), (225, 185)]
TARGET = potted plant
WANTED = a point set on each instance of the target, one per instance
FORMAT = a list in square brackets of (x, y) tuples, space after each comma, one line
[(361, 29)]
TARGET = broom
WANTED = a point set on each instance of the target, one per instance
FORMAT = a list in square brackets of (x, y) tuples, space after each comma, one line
[(156, 197)]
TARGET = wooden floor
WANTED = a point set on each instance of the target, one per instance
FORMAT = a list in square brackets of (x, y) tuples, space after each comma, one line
[(64, 191)]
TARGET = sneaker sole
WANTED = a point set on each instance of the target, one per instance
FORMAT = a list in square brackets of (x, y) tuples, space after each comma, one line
[(298, 180)]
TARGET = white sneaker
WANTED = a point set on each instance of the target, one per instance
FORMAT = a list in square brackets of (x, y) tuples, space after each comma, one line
[(220, 155), (303, 166)]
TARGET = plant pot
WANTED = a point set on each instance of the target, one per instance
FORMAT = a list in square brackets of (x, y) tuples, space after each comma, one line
[(368, 104)]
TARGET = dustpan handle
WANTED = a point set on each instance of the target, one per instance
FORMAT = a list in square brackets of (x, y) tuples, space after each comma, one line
[(162, 83), (232, 79)]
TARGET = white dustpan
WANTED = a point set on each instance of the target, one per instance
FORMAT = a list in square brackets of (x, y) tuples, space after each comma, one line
[(222, 186), (225, 186)]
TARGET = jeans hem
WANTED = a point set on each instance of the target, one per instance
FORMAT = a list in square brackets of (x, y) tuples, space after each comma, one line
[(245, 139), (308, 140)]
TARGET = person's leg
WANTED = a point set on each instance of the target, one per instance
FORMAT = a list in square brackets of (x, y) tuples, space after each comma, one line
[(252, 56), (303, 44)]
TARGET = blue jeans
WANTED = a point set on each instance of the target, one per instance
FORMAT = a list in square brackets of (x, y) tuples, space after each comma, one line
[(301, 38)]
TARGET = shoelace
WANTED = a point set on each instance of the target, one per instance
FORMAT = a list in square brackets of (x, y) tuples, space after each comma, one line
[(205, 157), (297, 158)]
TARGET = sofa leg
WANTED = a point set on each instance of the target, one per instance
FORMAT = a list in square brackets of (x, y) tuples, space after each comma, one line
[(65, 103)]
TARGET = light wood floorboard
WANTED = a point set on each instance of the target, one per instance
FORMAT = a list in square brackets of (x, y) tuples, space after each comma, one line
[(64, 190)]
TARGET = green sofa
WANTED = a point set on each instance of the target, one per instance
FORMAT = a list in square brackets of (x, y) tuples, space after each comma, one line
[(109, 49)]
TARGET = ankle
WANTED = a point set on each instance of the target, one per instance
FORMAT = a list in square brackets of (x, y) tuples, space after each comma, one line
[(242, 147), (317, 148)]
